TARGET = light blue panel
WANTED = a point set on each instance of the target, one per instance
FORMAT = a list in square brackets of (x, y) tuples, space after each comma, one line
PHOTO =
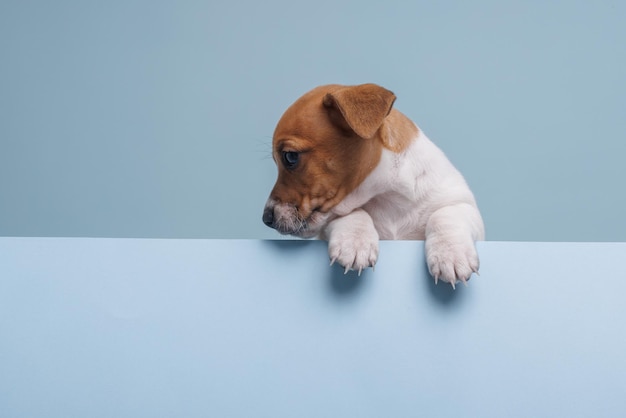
[(153, 118), (197, 328)]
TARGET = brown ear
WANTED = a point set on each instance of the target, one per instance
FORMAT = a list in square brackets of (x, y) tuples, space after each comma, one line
[(363, 107)]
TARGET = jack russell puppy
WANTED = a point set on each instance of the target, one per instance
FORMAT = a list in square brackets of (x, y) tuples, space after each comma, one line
[(353, 170)]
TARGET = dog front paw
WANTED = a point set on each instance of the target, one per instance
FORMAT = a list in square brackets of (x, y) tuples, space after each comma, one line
[(451, 261), (354, 250)]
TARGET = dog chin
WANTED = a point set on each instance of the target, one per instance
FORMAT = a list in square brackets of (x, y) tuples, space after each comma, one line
[(309, 228), (302, 232), (305, 233)]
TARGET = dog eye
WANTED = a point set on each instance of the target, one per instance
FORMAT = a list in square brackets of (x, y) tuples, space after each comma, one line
[(290, 158)]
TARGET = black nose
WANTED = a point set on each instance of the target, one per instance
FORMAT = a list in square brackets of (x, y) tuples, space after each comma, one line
[(268, 217)]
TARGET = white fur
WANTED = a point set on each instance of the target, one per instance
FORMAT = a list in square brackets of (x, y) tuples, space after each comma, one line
[(416, 194)]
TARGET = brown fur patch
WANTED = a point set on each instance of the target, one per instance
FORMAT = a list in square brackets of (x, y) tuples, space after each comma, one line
[(363, 107), (397, 131)]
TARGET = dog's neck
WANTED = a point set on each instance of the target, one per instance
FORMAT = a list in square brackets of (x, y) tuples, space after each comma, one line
[(397, 132), (388, 176)]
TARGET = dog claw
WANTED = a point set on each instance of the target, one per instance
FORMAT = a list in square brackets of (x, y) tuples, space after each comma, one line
[(360, 270), (346, 270), (453, 285), (464, 280), (436, 279), (332, 261)]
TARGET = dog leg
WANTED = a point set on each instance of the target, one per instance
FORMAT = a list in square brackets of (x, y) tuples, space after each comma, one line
[(451, 233), (352, 241)]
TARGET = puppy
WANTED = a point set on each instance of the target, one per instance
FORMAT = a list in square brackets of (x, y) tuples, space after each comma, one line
[(353, 170)]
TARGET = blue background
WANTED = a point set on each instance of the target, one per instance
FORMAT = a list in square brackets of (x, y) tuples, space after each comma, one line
[(183, 328), (154, 119)]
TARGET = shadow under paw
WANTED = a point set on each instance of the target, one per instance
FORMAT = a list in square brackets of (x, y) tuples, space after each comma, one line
[(346, 285), (443, 292)]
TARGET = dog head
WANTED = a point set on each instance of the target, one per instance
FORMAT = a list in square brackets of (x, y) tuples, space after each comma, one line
[(325, 145)]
